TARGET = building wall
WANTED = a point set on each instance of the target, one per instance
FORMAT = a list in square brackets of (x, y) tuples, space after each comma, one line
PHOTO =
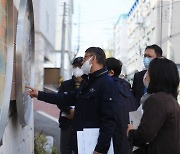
[(68, 55), (121, 41), (45, 18), (150, 22), (170, 30), (45, 33), (17, 139)]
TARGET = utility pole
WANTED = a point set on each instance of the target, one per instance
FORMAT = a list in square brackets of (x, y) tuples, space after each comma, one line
[(78, 32), (170, 55), (159, 22), (63, 43), (69, 26)]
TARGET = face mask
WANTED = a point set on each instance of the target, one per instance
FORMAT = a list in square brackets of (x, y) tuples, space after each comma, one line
[(77, 72), (145, 81), (86, 67), (147, 61)]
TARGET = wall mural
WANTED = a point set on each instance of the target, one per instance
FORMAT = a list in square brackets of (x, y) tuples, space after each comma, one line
[(3, 47), (6, 59), (24, 59)]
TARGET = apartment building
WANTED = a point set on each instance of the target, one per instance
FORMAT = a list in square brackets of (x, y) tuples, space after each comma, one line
[(148, 22)]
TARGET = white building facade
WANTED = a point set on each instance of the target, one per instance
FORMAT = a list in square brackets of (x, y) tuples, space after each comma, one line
[(64, 41), (45, 34), (149, 22), (121, 40)]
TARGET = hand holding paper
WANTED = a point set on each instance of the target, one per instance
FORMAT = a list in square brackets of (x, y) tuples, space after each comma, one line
[(135, 118), (87, 140)]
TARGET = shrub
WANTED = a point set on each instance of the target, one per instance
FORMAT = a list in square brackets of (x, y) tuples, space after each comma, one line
[(39, 144)]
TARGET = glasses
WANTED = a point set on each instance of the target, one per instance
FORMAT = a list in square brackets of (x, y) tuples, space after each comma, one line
[(149, 56)]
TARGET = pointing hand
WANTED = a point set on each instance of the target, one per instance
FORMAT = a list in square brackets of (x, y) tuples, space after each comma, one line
[(32, 92)]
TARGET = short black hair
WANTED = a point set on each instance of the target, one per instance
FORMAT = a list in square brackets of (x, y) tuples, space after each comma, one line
[(99, 53), (78, 61), (156, 48), (164, 76), (114, 64)]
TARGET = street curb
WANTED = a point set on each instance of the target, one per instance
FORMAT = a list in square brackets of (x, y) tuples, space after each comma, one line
[(48, 116)]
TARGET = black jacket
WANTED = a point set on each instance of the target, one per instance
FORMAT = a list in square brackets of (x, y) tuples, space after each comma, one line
[(66, 86), (94, 107), (138, 86)]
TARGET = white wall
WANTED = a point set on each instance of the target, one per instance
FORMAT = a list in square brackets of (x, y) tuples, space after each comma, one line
[(45, 18), (45, 32), (68, 34), (17, 139), (146, 26), (121, 41)]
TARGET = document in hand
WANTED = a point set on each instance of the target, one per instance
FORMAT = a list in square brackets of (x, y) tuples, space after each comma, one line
[(64, 114), (135, 118), (87, 140)]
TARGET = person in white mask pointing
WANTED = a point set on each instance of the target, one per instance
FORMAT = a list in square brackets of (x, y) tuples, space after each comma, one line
[(67, 112), (94, 103)]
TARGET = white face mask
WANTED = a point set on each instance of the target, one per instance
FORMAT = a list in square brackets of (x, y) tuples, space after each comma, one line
[(86, 67), (145, 81), (77, 72)]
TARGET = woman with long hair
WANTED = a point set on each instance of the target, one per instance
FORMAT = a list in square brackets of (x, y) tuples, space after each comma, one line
[(159, 128)]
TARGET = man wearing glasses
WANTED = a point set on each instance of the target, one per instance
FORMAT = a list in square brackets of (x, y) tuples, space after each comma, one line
[(138, 88), (95, 100)]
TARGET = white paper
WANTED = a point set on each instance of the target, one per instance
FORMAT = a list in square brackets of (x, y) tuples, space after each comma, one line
[(64, 114), (135, 118), (81, 148), (87, 140)]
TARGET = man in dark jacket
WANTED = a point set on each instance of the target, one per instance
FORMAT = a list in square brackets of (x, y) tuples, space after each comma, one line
[(94, 101), (65, 118), (138, 88), (124, 105)]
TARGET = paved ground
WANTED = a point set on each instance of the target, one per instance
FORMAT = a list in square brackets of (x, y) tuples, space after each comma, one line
[(47, 108), (46, 120)]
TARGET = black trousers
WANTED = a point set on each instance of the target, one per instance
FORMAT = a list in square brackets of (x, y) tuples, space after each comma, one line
[(64, 140)]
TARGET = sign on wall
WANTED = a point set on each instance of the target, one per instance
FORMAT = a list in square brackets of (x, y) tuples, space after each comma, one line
[(6, 60), (24, 59)]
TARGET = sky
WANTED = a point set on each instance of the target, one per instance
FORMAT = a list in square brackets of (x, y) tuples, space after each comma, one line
[(93, 22)]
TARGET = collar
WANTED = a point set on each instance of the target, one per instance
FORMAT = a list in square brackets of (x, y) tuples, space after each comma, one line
[(95, 75)]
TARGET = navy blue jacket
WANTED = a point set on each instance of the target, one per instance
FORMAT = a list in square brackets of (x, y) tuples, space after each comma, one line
[(94, 107), (66, 86), (125, 103)]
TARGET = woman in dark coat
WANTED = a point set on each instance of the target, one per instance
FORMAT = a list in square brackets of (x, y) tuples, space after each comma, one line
[(159, 129)]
